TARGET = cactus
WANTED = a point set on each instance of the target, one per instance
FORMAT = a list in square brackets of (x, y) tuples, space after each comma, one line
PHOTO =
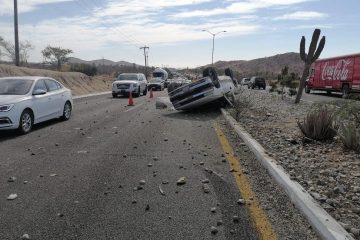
[(313, 54)]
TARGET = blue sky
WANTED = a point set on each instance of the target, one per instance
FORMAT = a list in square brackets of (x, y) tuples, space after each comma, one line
[(115, 29)]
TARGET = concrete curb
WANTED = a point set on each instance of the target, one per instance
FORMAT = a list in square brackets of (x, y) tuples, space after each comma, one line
[(91, 95), (325, 226)]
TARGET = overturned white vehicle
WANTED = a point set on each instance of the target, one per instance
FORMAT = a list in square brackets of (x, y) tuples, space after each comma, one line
[(206, 90)]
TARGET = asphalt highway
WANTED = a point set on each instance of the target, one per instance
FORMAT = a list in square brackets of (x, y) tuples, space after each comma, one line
[(111, 172)]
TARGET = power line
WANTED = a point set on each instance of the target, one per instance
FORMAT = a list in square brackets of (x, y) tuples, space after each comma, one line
[(131, 40)]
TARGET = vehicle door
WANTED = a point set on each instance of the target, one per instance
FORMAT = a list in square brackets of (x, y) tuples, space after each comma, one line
[(55, 97), (142, 82), (40, 103)]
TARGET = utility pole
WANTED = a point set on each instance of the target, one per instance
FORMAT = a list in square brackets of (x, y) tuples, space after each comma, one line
[(145, 55), (17, 55)]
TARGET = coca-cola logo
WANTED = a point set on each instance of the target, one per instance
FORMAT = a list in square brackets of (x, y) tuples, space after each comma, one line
[(339, 71)]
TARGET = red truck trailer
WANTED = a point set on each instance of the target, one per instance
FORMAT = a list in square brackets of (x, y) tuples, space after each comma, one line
[(337, 74)]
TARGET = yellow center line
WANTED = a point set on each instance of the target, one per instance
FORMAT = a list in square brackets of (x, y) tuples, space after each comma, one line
[(258, 216)]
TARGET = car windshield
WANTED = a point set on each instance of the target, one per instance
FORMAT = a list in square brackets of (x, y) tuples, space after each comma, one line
[(15, 86), (158, 74), (127, 77)]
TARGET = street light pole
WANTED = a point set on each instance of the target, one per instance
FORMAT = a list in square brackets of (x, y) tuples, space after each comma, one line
[(213, 45), (17, 57)]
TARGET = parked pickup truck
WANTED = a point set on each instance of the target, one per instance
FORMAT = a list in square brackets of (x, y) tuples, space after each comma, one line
[(208, 89)]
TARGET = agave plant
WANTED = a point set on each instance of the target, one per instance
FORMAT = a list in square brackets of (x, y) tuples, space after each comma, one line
[(319, 125), (350, 137)]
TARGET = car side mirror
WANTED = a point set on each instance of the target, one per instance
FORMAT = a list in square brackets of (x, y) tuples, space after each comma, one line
[(39, 92)]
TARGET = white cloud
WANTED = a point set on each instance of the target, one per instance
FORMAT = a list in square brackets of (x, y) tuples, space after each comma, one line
[(245, 7), (7, 6), (302, 15)]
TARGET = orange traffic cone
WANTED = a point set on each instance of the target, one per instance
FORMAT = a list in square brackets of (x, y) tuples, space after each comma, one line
[(131, 101), (151, 93)]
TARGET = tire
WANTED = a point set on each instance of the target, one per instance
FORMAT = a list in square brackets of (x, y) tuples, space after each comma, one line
[(114, 95), (145, 91), (138, 93), (307, 89), (67, 111), (345, 91), (26, 122), (328, 92)]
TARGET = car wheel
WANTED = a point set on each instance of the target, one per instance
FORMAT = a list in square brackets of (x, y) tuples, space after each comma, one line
[(307, 89), (114, 95), (137, 94), (67, 111), (145, 91), (26, 122)]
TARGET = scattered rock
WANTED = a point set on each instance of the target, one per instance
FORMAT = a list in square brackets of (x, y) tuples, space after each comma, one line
[(142, 182), (213, 209), (236, 219), (206, 188), (12, 196), (214, 230), (25, 236), (355, 231), (241, 201), (205, 181), (11, 179), (181, 181), (161, 191), (147, 208)]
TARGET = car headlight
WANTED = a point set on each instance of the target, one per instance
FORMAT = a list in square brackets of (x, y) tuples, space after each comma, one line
[(6, 108), (135, 86)]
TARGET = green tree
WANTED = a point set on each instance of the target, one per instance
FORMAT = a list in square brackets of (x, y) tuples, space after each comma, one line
[(289, 80), (56, 54)]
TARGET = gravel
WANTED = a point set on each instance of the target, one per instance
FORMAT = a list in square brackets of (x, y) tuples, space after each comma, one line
[(325, 170)]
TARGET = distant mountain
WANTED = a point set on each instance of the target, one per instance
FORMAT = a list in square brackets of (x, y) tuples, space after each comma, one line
[(98, 62), (266, 67)]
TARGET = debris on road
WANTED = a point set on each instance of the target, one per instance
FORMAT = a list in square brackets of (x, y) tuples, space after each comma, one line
[(161, 191), (206, 188), (12, 196), (181, 181), (241, 201), (147, 208), (214, 230), (11, 179), (25, 236)]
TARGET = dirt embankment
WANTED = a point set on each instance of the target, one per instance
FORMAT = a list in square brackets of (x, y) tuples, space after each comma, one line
[(79, 83)]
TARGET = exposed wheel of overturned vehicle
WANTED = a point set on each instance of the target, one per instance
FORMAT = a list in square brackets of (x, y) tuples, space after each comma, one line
[(211, 72), (229, 72)]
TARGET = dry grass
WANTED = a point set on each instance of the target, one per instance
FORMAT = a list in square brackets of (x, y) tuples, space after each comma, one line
[(79, 83)]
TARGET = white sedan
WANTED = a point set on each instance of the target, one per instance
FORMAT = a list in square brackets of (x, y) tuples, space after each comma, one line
[(25, 101)]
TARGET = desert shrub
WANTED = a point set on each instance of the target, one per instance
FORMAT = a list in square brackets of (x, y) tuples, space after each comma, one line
[(273, 86), (292, 91), (353, 96), (348, 111), (243, 102), (87, 69), (350, 137), (319, 124)]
